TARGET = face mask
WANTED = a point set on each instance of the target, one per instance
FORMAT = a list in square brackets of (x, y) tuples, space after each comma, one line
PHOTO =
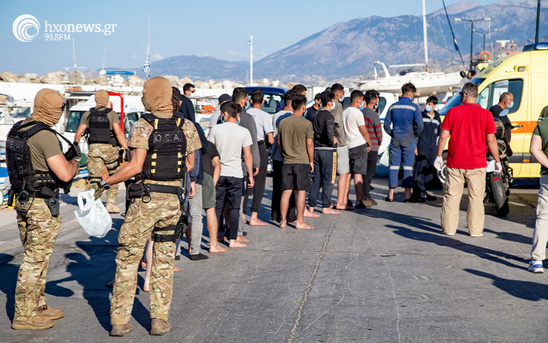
[(222, 119), (511, 105), (376, 105), (504, 113), (238, 122), (428, 108), (341, 99), (333, 106)]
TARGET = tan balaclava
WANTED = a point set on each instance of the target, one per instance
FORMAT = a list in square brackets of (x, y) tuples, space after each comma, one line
[(157, 94), (48, 107), (101, 98)]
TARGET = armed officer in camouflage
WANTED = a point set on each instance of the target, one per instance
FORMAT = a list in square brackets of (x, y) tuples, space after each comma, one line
[(105, 138), (37, 168), (163, 147)]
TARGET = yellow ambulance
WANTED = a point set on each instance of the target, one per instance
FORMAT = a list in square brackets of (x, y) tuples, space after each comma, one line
[(525, 75)]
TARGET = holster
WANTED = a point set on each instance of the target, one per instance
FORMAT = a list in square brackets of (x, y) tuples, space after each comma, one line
[(135, 190), (54, 204), (178, 229)]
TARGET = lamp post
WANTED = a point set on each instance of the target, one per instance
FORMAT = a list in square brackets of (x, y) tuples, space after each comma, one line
[(472, 34), (484, 34)]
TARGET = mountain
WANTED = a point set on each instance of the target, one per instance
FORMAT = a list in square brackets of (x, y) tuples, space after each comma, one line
[(350, 48)]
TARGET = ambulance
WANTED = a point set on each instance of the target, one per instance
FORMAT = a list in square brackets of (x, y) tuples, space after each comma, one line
[(525, 75)]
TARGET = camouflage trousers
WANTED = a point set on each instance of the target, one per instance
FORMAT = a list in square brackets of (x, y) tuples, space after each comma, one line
[(163, 210), (103, 156), (38, 231)]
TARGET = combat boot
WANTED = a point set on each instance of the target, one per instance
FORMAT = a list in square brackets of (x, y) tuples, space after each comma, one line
[(50, 313), (34, 323), (159, 327), (119, 330), (112, 208)]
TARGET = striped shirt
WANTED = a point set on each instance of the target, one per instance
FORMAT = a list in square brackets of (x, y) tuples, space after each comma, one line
[(374, 127)]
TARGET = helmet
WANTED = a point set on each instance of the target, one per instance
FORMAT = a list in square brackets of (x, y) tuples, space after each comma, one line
[(442, 173)]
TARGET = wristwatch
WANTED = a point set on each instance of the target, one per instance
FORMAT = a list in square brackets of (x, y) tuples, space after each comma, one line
[(105, 185)]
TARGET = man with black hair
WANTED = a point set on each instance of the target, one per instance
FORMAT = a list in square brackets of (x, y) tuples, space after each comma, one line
[(358, 142), (216, 115), (403, 123), (296, 143), (231, 139), (374, 127), (105, 137), (313, 110), (277, 160), (501, 111), (264, 136), (343, 162), (187, 107), (425, 153), (325, 151), (297, 89)]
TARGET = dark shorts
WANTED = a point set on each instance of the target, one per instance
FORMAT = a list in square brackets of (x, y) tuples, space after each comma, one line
[(296, 177), (358, 159), (208, 192)]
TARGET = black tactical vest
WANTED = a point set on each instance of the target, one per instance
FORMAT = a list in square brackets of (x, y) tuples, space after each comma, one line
[(99, 127), (165, 159), (22, 176)]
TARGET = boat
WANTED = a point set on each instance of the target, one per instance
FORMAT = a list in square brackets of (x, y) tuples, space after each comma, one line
[(426, 82)]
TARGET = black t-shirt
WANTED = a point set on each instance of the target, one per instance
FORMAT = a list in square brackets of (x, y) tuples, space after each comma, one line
[(311, 114), (208, 158), (495, 111)]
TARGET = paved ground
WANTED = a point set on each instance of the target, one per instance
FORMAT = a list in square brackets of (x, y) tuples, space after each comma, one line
[(378, 275)]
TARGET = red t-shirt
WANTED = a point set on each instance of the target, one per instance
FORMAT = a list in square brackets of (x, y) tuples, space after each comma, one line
[(469, 125)]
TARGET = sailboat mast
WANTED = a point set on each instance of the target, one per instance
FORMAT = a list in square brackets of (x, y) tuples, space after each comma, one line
[(425, 35), (148, 46)]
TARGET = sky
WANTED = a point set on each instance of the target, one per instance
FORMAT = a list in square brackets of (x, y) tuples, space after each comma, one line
[(216, 28)]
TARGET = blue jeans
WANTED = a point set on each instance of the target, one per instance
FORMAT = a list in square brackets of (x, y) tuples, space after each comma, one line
[(402, 151), (324, 170)]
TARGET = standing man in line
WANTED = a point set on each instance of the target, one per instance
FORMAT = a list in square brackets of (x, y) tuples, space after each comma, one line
[(343, 162), (264, 135), (105, 135), (358, 142), (187, 107), (313, 110), (216, 116), (231, 140), (374, 127), (539, 150), (161, 163), (470, 128), (296, 143), (36, 190), (404, 123), (325, 156)]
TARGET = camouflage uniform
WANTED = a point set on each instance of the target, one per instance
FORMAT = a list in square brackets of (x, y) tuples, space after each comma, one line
[(99, 157), (38, 230), (162, 210)]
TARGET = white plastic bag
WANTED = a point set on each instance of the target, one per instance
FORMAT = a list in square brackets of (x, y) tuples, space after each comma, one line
[(385, 158), (92, 215)]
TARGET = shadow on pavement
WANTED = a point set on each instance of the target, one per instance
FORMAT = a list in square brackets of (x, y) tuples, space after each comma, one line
[(525, 290), (9, 279)]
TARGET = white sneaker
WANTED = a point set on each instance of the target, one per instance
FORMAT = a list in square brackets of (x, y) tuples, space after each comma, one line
[(535, 266), (480, 235), (449, 233)]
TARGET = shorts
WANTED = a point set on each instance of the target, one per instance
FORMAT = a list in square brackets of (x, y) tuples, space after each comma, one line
[(296, 177), (208, 192), (343, 163), (358, 159)]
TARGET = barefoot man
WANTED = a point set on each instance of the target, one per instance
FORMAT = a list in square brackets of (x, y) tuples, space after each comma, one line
[(230, 139), (296, 143)]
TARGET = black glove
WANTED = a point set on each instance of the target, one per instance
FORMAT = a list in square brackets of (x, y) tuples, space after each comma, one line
[(73, 152)]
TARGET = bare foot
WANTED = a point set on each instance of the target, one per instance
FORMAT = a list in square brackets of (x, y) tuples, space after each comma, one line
[(176, 269), (143, 265), (283, 224), (242, 239), (303, 226), (236, 244), (146, 288), (190, 250), (257, 222), (309, 214), (329, 210), (216, 248), (344, 207)]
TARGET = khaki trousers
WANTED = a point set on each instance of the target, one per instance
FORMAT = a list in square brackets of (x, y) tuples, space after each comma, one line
[(540, 235), (475, 214)]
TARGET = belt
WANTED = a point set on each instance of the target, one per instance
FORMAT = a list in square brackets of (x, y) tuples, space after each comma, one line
[(260, 142), (164, 189)]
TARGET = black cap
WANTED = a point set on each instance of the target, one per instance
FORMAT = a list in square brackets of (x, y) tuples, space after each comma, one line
[(224, 98)]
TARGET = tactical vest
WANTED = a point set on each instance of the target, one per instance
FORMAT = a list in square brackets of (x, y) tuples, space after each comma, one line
[(22, 175), (99, 127), (167, 143)]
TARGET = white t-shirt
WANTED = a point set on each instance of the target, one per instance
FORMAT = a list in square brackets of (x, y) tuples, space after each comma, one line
[(230, 139), (353, 119), (263, 121)]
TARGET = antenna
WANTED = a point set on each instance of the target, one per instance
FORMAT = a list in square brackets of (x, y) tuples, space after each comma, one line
[(74, 57), (148, 46), (425, 35)]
